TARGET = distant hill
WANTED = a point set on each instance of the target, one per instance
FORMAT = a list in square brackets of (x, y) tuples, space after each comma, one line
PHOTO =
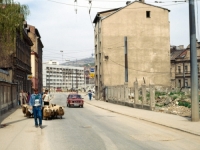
[(81, 62)]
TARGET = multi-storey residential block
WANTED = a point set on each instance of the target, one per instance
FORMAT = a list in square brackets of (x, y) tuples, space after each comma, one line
[(180, 66), (57, 76), (36, 57), (148, 46)]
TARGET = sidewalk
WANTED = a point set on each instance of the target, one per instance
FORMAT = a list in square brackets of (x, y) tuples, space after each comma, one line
[(18, 132), (168, 120)]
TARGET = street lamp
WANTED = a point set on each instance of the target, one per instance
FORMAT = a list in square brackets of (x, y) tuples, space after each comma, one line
[(49, 78), (62, 55)]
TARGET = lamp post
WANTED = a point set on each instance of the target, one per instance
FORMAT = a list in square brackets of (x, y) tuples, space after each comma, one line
[(66, 73), (62, 55), (49, 78)]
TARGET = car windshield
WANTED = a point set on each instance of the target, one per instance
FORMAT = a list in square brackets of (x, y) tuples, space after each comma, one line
[(75, 96)]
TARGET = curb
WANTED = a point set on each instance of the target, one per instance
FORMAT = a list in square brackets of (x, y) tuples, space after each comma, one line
[(145, 120)]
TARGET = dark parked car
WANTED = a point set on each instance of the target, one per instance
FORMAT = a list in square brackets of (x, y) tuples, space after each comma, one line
[(75, 99)]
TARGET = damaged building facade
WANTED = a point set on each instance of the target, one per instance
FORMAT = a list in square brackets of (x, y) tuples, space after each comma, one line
[(148, 46)]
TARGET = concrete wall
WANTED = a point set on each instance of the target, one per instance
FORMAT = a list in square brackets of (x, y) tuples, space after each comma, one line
[(148, 46)]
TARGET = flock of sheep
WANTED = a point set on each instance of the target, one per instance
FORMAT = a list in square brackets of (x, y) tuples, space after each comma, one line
[(48, 112)]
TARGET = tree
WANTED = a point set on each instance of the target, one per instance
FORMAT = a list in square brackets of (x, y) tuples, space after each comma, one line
[(12, 16)]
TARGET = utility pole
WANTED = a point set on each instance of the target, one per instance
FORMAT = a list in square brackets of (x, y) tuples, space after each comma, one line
[(193, 63), (126, 59)]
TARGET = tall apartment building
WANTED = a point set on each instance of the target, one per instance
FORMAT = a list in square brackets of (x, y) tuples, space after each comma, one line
[(148, 44), (63, 77), (180, 66), (36, 57)]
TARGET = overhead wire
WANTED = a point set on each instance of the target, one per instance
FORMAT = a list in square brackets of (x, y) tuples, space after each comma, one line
[(137, 69), (111, 8), (53, 51), (108, 8)]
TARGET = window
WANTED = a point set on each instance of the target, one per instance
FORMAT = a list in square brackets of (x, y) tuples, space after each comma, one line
[(148, 14), (186, 68), (179, 82), (186, 82), (179, 69)]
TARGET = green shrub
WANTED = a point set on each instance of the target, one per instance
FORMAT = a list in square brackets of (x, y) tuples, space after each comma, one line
[(148, 96), (184, 103), (174, 97), (157, 94), (159, 105)]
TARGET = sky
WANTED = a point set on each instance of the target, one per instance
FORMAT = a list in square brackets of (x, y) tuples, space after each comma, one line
[(68, 35)]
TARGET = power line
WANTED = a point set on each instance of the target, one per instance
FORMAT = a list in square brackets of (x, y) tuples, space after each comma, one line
[(67, 50), (145, 1), (110, 8), (139, 70)]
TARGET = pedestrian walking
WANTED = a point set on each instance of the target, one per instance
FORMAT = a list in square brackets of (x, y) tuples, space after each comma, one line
[(90, 95), (46, 97), (36, 104)]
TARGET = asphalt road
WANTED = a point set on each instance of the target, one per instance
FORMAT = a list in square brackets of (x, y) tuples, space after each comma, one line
[(91, 128)]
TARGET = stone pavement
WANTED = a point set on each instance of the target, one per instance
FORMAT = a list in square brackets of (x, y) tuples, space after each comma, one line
[(168, 120)]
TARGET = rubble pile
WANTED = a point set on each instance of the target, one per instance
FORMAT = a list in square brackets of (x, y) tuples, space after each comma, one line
[(177, 103), (179, 110)]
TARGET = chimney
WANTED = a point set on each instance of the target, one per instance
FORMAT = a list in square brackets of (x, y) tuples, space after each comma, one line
[(128, 2), (142, 1)]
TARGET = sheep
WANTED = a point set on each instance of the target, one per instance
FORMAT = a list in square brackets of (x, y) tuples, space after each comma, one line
[(29, 112), (59, 111), (47, 112), (24, 109)]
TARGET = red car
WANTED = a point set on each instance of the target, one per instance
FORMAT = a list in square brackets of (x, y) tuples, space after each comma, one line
[(74, 99)]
